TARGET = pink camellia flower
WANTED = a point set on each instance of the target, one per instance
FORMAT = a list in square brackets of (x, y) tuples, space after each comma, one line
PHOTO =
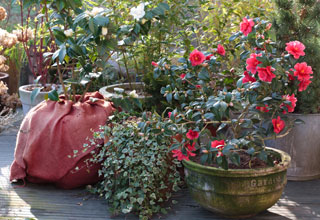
[(252, 63), (291, 77), (219, 145), (295, 48), (246, 26), (198, 86), (182, 76), (263, 108), (293, 101), (221, 50), (303, 85), (247, 78), (154, 64), (265, 73), (196, 57), (192, 134), (209, 56), (278, 125), (303, 71)]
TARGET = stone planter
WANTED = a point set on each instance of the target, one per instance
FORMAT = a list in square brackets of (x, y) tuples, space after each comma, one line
[(236, 193), (108, 91), (303, 145), (25, 97), (5, 78)]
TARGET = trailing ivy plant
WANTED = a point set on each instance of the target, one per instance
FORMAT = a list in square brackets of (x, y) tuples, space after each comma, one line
[(138, 172)]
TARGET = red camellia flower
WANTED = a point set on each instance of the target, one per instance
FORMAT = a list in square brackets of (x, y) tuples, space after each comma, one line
[(169, 114), (192, 134), (198, 86), (248, 78), (179, 155), (263, 108), (191, 147), (246, 26), (219, 145), (252, 63), (209, 56), (278, 125), (303, 71), (265, 73), (154, 64), (303, 85), (182, 76), (295, 48), (196, 57), (293, 101), (221, 50)]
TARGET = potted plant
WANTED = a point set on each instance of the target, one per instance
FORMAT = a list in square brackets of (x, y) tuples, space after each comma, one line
[(7, 41), (233, 173), (296, 20), (37, 41)]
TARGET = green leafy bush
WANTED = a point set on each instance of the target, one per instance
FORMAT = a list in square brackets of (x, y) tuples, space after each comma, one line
[(138, 173)]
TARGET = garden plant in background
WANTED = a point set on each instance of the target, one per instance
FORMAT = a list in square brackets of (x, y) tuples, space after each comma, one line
[(228, 129)]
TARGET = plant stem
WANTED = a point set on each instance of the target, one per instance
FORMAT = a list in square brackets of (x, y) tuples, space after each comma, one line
[(61, 79)]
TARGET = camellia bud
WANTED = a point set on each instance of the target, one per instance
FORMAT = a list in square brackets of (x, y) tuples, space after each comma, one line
[(205, 151), (167, 66)]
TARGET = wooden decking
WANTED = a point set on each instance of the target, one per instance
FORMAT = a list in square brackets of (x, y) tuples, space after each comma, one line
[(301, 200)]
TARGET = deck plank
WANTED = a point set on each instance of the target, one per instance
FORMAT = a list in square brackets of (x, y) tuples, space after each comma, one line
[(300, 200)]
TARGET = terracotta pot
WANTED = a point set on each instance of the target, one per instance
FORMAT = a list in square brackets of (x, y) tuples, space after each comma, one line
[(237, 193)]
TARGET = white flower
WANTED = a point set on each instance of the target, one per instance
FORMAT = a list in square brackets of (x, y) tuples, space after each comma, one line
[(95, 75), (104, 31), (133, 94), (95, 11), (138, 12), (68, 32)]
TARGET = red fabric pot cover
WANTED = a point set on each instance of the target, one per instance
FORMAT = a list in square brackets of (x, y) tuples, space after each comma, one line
[(49, 135)]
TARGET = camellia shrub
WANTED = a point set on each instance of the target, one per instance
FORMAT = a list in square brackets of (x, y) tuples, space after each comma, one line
[(222, 127), (298, 20), (138, 172)]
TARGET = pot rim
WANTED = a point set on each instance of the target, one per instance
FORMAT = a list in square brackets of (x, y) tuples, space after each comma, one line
[(22, 88), (214, 171), (3, 74), (108, 94)]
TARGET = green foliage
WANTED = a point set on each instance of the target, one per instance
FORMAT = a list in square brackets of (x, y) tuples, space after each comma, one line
[(299, 20), (138, 172), (220, 19)]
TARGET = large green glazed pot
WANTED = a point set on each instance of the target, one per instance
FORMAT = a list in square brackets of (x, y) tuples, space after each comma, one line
[(237, 193)]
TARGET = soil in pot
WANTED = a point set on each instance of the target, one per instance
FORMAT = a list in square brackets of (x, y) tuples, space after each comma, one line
[(46, 88)]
